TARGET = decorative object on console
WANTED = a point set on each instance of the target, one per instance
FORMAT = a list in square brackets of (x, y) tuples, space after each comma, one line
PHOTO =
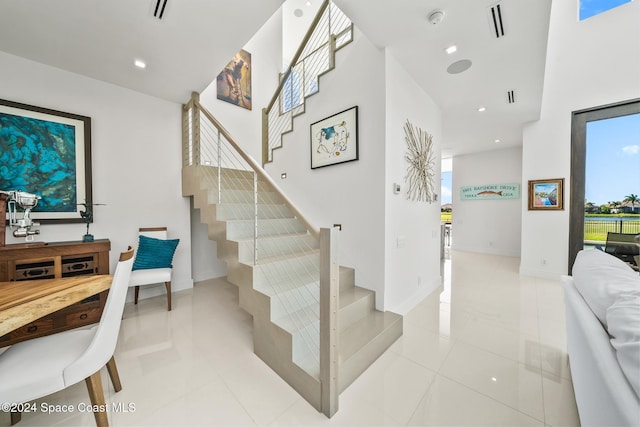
[(87, 216), (335, 139), (52, 151), (546, 194), (21, 227), (421, 169)]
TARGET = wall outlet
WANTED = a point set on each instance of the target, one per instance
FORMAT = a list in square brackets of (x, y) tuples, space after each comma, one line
[(401, 241)]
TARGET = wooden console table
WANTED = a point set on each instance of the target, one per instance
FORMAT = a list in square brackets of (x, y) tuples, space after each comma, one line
[(22, 264)]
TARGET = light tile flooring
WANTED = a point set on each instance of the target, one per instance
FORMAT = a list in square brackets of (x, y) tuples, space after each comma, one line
[(487, 348)]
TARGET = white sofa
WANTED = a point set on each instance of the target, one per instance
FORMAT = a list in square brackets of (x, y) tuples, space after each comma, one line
[(602, 298)]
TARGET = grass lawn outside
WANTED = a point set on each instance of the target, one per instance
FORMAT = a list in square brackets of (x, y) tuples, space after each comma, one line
[(596, 230)]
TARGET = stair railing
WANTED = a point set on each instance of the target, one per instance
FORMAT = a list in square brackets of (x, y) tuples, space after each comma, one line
[(330, 31), (303, 292)]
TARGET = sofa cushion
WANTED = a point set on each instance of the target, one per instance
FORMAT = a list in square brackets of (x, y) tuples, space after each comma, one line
[(601, 278), (623, 320)]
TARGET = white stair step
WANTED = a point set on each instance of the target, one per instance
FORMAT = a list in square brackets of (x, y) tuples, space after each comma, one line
[(347, 277), (355, 304), (274, 246), (227, 211), (239, 229), (282, 269), (364, 341), (243, 196), (289, 302)]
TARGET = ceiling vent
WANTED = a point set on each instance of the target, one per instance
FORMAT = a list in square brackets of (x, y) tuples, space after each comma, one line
[(158, 10), (511, 96), (496, 20)]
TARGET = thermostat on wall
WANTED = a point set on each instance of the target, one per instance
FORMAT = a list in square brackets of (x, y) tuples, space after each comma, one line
[(396, 188)]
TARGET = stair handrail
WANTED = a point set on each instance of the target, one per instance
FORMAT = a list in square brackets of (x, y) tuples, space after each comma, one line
[(195, 102), (284, 77), (296, 57)]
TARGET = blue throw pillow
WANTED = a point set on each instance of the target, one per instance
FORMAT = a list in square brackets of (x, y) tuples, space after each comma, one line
[(154, 253)]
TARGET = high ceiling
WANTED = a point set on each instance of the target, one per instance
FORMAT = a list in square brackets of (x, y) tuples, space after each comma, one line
[(512, 62), (186, 49)]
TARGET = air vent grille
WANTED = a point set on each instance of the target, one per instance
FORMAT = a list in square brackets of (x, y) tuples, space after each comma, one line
[(511, 96), (496, 20), (158, 11)]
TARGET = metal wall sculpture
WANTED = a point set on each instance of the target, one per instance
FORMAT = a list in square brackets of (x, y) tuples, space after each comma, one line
[(421, 169)]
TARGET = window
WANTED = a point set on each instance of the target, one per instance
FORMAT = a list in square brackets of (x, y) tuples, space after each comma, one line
[(611, 131), (291, 92), (589, 8)]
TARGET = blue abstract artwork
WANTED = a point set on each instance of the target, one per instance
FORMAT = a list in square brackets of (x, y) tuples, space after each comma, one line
[(39, 156)]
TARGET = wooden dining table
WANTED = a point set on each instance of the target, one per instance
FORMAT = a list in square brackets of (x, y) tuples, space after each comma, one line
[(22, 302)]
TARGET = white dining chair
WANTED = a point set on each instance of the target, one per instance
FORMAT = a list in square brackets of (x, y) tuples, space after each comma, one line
[(39, 367)]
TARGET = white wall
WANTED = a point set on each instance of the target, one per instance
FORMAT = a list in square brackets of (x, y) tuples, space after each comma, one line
[(413, 264), (136, 144), (351, 194), (487, 226), (244, 125), (295, 27), (589, 63)]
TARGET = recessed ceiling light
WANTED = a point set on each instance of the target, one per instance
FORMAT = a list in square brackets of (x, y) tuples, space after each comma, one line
[(481, 109), (451, 49), (140, 63), (497, 141), (308, 3)]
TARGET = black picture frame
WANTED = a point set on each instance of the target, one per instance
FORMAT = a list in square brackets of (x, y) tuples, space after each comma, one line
[(334, 139), (48, 153)]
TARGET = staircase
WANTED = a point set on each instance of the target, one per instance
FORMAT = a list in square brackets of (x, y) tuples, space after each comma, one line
[(281, 289), (311, 323)]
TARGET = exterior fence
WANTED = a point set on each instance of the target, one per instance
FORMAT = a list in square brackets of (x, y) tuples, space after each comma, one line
[(595, 227)]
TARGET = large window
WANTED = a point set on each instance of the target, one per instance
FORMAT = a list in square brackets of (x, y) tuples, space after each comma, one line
[(605, 174)]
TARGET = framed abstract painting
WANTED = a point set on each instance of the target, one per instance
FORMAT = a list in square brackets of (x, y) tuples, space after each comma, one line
[(335, 139), (48, 153)]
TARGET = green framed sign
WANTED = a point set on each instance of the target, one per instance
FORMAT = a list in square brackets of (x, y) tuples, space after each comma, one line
[(490, 192)]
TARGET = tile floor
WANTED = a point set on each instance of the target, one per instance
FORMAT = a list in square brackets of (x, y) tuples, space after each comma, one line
[(487, 348)]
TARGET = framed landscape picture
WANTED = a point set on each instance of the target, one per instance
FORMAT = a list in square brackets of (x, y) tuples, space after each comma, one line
[(335, 139), (546, 194), (48, 153)]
